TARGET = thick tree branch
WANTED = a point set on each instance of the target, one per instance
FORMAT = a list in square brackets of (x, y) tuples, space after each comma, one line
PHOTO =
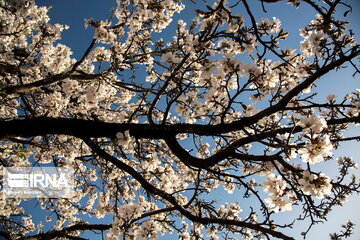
[(89, 128)]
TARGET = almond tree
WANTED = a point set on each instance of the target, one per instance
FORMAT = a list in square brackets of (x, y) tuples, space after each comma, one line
[(154, 128)]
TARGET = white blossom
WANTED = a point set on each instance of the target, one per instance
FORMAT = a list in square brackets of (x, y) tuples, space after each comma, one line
[(316, 149), (313, 123), (316, 185)]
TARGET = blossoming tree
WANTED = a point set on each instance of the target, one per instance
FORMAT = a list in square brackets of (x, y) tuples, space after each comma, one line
[(155, 129)]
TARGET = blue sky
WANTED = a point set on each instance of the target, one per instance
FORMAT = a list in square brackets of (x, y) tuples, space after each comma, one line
[(73, 13)]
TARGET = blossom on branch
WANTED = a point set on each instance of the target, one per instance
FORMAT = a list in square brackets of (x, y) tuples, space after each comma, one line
[(316, 149)]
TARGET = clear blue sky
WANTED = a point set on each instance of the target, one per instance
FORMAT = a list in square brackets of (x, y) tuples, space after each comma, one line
[(73, 13)]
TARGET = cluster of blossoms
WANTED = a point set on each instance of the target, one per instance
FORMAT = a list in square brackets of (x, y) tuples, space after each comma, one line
[(310, 45), (170, 181), (9, 207), (312, 123), (126, 213), (28, 224), (229, 211), (276, 188), (316, 149), (315, 185), (318, 145)]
